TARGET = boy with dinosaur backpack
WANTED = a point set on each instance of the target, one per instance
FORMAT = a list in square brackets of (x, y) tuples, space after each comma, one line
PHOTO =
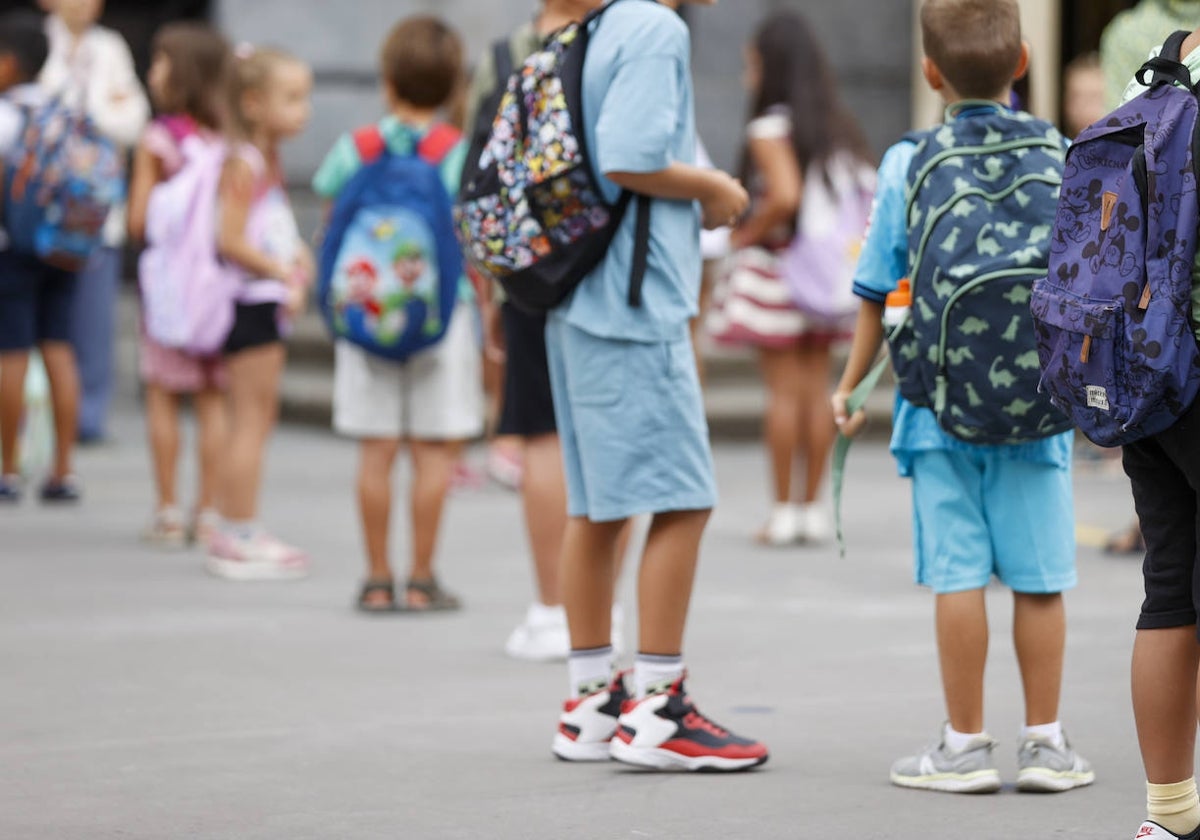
[(408, 355), (962, 224)]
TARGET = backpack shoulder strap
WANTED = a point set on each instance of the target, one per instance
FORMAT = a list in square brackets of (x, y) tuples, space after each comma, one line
[(438, 142), (1167, 67), (370, 143), (502, 58)]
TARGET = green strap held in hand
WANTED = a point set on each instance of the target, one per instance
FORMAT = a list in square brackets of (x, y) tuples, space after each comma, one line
[(855, 402)]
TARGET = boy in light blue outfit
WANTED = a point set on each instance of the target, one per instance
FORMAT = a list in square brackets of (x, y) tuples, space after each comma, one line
[(628, 404), (979, 510)]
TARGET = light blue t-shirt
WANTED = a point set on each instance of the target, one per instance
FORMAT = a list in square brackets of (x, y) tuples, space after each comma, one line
[(881, 266), (638, 106)]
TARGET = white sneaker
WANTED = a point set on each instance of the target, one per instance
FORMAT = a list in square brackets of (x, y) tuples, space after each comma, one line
[(588, 723), (815, 524), (783, 526), (166, 529), (1154, 831), (541, 637), (256, 558)]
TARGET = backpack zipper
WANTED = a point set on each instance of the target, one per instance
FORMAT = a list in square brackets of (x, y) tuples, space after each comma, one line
[(940, 385)]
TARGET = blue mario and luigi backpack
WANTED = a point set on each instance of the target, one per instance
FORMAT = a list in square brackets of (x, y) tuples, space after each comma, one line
[(1114, 313), (981, 196), (390, 264)]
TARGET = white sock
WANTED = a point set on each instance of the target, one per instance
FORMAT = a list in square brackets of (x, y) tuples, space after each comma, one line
[(589, 670), (654, 674), (243, 529), (541, 614), (1051, 732), (956, 741)]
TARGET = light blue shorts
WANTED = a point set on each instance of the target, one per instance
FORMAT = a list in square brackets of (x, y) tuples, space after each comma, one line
[(631, 419), (978, 514)]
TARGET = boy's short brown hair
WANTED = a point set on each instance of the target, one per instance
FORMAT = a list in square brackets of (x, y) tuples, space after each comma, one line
[(422, 62), (976, 44)]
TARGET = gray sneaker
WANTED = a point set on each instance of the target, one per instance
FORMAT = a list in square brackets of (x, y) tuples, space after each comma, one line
[(936, 768), (1046, 768)]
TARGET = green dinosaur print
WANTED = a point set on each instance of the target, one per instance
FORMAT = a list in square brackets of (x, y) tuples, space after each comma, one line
[(909, 351), (963, 209), (925, 310), (1039, 234), (1019, 407), (994, 170), (951, 243), (1023, 198), (1028, 255), (1019, 295), (1014, 329), (963, 271), (1028, 360), (999, 377), (942, 288), (973, 398), (974, 326), (986, 244), (958, 355)]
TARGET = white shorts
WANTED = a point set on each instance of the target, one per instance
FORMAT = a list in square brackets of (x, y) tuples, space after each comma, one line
[(435, 395)]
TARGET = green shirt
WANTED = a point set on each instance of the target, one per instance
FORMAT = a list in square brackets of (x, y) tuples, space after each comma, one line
[(1133, 89), (1132, 34)]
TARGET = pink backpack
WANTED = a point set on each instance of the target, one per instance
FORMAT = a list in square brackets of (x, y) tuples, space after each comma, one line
[(187, 291), (819, 264)]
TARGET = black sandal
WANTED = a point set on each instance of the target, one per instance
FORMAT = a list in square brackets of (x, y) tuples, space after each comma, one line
[(376, 587), (436, 598)]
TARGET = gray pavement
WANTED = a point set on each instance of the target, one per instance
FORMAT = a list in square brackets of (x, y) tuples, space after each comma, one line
[(142, 699)]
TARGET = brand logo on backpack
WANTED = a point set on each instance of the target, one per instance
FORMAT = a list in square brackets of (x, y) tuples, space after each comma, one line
[(1114, 313)]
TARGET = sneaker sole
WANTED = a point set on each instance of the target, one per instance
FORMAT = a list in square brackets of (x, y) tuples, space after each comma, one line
[(658, 759), (982, 781), (567, 750), (250, 572), (1040, 780)]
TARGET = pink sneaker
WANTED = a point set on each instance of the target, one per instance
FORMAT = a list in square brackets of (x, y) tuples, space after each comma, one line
[(259, 557)]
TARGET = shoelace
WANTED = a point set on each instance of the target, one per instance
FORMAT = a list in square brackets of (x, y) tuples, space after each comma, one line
[(695, 720)]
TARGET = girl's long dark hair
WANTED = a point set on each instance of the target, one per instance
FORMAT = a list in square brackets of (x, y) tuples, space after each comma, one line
[(797, 75)]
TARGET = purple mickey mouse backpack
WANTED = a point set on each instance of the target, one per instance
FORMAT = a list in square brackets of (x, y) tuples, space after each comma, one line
[(1114, 315)]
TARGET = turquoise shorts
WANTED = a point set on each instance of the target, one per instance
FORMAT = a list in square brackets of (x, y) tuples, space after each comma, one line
[(631, 420), (979, 514)]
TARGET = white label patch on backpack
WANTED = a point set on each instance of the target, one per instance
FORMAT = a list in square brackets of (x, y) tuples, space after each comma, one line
[(1097, 397)]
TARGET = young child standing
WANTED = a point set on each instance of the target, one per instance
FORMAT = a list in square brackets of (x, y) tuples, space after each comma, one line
[(269, 102), (36, 299), (187, 57), (434, 401), (629, 409), (979, 510)]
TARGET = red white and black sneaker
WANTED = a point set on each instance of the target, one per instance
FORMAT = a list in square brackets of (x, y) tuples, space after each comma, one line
[(588, 723), (666, 732)]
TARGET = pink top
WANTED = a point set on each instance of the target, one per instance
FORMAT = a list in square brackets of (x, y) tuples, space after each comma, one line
[(271, 227)]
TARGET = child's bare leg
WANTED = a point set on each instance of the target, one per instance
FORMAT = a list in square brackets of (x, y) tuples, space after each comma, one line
[(588, 579), (377, 457), (212, 430), (61, 370), (254, 404), (962, 635), (665, 580), (782, 374), (162, 428), (433, 469), (544, 498), (1040, 636), (13, 367), (1165, 665), (817, 429)]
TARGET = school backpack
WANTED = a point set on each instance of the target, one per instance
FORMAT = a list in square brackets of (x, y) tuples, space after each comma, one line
[(60, 184), (532, 215), (981, 196), (188, 292), (390, 265), (820, 262), (1114, 313), (502, 61)]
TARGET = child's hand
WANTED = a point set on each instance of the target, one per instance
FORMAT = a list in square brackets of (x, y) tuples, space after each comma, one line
[(848, 425), (305, 266), (726, 201), (494, 346), (297, 299)]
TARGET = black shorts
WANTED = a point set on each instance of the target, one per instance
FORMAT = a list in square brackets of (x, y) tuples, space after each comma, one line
[(1165, 472), (528, 403), (37, 302), (254, 325)]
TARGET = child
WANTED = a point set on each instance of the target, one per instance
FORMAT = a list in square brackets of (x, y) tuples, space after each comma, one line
[(36, 299), (1164, 473), (434, 401), (799, 131), (187, 57), (1083, 93), (628, 405), (92, 66), (979, 510), (269, 94)]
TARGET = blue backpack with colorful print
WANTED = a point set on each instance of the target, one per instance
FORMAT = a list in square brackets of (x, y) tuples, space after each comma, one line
[(390, 265), (531, 214), (1114, 313), (981, 196)]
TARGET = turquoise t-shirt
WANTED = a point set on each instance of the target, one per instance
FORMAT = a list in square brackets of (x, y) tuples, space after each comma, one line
[(343, 162), (639, 114), (881, 266)]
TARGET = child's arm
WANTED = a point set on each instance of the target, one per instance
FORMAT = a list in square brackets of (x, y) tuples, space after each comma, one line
[(236, 197), (868, 338), (783, 185), (116, 101), (722, 198), (147, 173)]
